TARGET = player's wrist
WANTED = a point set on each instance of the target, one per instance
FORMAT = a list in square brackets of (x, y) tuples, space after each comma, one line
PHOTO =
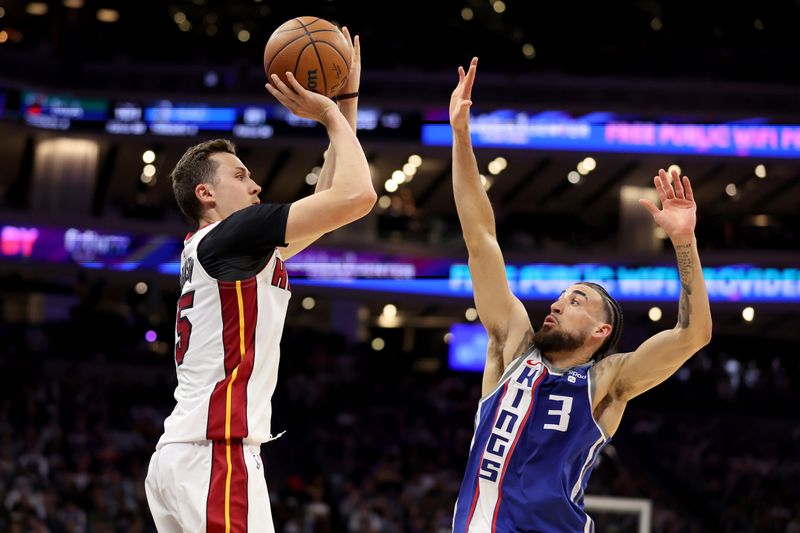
[(328, 115), (460, 130), (333, 118), (682, 239)]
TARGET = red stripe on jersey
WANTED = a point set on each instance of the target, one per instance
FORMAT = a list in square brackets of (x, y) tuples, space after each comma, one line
[(511, 449), (227, 408), (226, 506), (249, 303)]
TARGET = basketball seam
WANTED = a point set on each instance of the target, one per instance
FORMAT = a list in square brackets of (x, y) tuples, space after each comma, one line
[(338, 52), (319, 59), (305, 34), (299, 57), (334, 49), (301, 25)]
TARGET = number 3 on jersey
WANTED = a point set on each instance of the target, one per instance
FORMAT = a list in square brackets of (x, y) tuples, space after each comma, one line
[(562, 414), (183, 327)]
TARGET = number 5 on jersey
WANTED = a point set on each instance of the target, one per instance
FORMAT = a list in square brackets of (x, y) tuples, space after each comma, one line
[(183, 328)]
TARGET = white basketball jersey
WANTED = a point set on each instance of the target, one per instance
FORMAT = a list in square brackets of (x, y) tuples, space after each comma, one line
[(226, 351)]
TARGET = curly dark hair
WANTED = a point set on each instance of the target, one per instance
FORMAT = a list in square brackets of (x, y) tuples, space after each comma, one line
[(196, 167)]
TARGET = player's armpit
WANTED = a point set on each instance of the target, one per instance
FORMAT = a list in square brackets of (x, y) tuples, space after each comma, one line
[(325, 211), (294, 248), (606, 409), (501, 352), (625, 376), (494, 367)]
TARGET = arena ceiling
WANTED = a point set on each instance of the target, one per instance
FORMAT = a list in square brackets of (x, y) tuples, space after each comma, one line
[(661, 39)]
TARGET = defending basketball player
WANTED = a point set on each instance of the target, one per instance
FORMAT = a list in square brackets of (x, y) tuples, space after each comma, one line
[(553, 398), (206, 473)]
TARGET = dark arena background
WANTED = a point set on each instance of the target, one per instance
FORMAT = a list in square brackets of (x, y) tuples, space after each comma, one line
[(577, 106)]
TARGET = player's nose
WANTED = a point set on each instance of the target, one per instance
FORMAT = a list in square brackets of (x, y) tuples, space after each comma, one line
[(256, 188)]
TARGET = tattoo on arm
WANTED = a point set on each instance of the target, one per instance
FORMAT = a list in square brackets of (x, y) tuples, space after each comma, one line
[(686, 271)]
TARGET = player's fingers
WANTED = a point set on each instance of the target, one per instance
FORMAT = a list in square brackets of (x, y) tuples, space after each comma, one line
[(676, 180), (687, 186), (283, 89), (470, 76), (357, 48), (650, 206), (660, 188), (279, 96), (294, 84), (350, 43), (668, 190), (460, 75), (278, 83), (473, 66)]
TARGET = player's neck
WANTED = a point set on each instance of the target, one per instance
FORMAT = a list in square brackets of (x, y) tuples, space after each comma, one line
[(567, 360), (208, 217)]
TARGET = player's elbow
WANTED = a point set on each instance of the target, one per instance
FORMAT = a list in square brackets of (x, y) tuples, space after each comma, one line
[(695, 338), (354, 201), (357, 204), (702, 334), (363, 202), (706, 333), (481, 244)]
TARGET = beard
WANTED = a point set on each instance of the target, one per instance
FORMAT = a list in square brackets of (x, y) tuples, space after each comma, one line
[(551, 340)]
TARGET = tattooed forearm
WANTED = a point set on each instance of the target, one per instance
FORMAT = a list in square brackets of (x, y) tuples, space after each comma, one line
[(686, 271)]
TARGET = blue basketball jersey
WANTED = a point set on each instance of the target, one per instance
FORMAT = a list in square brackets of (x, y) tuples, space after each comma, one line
[(534, 446)]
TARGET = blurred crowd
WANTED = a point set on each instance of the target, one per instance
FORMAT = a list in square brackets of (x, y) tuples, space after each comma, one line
[(377, 443)]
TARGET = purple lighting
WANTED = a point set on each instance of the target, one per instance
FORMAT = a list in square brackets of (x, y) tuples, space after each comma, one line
[(150, 336)]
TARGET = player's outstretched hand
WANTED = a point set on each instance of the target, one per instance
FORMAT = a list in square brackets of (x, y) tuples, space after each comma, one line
[(678, 213), (354, 76), (299, 100), (461, 99)]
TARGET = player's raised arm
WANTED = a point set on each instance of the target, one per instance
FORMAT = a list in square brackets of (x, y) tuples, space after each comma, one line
[(501, 313), (351, 194), (348, 105), (624, 376)]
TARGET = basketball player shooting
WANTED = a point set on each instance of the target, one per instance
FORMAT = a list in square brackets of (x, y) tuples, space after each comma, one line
[(553, 398), (206, 473)]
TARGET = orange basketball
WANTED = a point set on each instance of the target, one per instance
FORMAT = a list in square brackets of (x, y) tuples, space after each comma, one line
[(313, 50)]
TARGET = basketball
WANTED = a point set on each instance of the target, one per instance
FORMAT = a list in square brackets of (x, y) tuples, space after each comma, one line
[(313, 50)]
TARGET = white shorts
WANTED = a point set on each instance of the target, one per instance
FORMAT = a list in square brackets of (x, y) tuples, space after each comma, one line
[(208, 487)]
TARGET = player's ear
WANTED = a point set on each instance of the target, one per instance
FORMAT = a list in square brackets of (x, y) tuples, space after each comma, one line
[(205, 194), (602, 330)]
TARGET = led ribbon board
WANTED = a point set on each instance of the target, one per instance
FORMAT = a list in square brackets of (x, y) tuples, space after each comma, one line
[(58, 112), (507, 129), (384, 272), (733, 283)]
